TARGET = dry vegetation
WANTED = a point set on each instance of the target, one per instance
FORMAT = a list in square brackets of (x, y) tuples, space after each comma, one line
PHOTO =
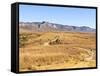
[(56, 50)]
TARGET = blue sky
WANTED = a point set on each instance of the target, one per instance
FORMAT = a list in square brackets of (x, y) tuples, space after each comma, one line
[(60, 15)]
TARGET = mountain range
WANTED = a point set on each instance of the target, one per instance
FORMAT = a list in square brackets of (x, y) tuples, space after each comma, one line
[(47, 27)]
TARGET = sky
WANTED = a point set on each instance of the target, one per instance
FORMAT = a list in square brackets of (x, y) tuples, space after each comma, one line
[(60, 15)]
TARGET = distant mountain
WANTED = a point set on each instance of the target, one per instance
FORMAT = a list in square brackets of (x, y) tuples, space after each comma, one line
[(47, 26)]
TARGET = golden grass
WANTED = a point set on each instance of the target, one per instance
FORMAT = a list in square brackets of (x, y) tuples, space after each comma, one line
[(63, 50)]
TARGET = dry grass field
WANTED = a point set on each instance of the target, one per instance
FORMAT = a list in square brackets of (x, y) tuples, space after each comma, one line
[(56, 50)]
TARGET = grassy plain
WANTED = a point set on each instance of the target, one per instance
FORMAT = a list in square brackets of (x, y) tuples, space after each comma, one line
[(56, 50)]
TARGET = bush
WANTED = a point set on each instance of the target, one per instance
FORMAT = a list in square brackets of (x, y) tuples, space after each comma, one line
[(22, 40)]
